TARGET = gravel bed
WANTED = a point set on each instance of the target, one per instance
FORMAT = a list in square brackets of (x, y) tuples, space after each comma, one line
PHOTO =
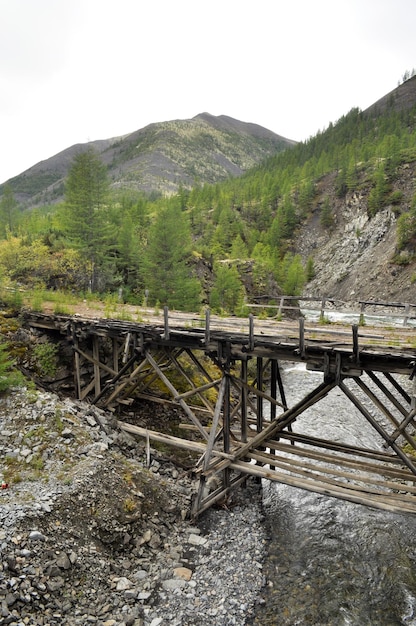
[(90, 535)]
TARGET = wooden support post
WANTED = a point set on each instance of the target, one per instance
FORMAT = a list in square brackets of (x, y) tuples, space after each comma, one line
[(207, 327), (406, 314), (280, 311), (273, 392), (327, 367), (115, 354), (322, 313), (77, 372), (126, 348), (281, 387), (166, 323), (355, 346), (302, 337), (338, 376), (362, 318), (259, 396), (273, 387), (251, 332), (243, 409), (227, 427), (96, 356)]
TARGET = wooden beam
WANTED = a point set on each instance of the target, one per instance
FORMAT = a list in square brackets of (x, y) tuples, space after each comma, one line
[(387, 503), (175, 394), (94, 359), (406, 460), (215, 421), (185, 444), (97, 364)]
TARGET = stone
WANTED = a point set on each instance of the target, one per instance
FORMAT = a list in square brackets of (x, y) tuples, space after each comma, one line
[(67, 434), (53, 571), (36, 535), (55, 583), (183, 572), (196, 540), (173, 583), (123, 583), (63, 561)]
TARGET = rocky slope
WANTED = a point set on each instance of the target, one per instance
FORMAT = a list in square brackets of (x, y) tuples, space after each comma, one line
[(90, 533), (356, 258)]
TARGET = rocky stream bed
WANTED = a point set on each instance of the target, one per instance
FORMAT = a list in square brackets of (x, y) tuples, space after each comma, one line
[(90, 533)]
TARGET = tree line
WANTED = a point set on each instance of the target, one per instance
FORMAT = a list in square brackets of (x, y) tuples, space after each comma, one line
[(193, 248)]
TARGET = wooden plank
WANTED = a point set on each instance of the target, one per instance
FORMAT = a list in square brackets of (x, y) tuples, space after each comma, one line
[(185, 444), (342, 461), (387, 503), (360, 482)]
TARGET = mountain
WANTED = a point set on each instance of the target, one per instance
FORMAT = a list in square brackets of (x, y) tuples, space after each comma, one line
[(338, 211), (160, 157)]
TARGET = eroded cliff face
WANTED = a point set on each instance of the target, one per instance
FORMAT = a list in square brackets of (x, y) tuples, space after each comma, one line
[(356, 259)]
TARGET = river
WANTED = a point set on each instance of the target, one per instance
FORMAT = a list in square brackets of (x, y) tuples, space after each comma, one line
[(331, 562)]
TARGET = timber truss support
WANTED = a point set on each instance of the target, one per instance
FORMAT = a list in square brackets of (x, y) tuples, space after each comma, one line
[(237, 420), (241, 441)]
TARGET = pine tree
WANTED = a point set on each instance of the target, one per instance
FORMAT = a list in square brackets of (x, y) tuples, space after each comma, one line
[(326, 217), (8, 210), (166, 274), (85, 220), (228, 292)]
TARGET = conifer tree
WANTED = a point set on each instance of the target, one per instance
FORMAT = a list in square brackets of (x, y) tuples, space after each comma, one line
[(166, 274), (8, 210), (85, 220), (326, 217), (228, 292)]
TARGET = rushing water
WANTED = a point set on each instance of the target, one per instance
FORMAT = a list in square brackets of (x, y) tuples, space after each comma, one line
[(331, 562)]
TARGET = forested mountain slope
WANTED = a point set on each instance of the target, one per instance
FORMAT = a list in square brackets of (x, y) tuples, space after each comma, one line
[(334, 216), (160, 157)]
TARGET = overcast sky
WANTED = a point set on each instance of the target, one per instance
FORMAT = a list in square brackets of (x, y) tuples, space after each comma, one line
[(73, 71)]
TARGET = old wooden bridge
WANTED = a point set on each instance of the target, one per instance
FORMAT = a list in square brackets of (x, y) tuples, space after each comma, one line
[(226, 377)]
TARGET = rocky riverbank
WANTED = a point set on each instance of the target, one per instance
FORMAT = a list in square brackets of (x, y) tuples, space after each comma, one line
[(89, 534)]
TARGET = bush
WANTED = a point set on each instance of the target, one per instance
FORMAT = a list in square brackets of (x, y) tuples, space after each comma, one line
[(9, 377), (46, 358)]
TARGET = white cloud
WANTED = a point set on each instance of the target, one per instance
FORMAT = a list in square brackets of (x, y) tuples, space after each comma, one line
[(74, 70)]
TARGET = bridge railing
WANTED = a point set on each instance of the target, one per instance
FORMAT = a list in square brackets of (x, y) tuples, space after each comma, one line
[(363, 310), (297, 331)]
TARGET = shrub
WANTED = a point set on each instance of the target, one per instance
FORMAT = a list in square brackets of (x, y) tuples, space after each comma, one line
[(46, 358)]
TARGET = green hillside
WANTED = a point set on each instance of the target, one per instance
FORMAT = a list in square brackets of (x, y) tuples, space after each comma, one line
[(251, 237), (159, 158)]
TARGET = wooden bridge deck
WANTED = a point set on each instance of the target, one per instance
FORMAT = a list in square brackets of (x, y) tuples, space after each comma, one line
[(225, 375)]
